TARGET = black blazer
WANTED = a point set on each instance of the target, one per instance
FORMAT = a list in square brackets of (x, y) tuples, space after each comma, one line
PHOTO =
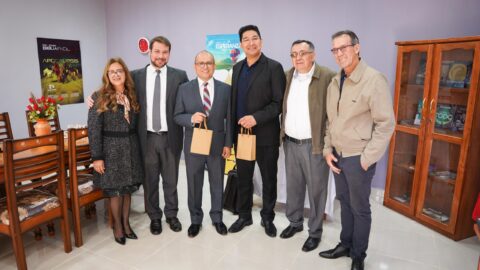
[(175, 77), (264, 99)]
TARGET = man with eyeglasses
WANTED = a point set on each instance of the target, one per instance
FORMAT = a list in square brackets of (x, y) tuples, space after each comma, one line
[(360, 124), (258, 83), (205, 99), (302, 133)]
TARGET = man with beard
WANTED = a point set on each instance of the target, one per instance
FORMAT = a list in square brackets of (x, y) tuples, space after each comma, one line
[(160, 138)]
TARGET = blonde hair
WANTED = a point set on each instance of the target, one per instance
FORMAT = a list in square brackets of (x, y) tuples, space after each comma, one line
[(107, 95)]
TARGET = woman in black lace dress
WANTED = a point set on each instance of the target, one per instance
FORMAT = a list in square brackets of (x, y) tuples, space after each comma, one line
[(112, 124)]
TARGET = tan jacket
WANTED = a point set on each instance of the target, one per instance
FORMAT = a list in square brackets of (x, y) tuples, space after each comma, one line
[(317, 93), (362, 121)]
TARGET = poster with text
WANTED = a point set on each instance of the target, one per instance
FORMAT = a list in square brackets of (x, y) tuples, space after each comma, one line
[(61, 69), (226, 50)]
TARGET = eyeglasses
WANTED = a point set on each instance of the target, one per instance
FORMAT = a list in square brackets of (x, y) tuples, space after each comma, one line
[(300, 53), (204, 64), (118, 72), (341, 49)]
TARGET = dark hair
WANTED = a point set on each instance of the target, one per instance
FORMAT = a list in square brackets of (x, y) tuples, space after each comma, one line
[(309, 43), (161, 39), (246, 28), (351, 34)]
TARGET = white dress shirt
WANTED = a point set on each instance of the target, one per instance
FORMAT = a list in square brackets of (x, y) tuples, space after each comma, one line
[(210, 90), (297, 120), (151, 74)]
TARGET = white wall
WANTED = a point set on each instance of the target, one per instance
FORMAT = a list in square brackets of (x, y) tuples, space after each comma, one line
[(21, 22)]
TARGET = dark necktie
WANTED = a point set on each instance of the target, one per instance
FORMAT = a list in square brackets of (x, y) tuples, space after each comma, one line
[(156, 124), (207, 105)]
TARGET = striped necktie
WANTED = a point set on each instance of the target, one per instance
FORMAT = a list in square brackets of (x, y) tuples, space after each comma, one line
[(207, 105)]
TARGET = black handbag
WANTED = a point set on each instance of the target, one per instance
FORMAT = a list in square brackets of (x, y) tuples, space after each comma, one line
[(230, 192)]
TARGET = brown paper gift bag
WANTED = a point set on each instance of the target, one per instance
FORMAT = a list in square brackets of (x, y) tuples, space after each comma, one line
[(246, 144), (201, 140)]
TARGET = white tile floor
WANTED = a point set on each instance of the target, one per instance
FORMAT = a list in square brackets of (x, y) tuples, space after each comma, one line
[(396, 242)]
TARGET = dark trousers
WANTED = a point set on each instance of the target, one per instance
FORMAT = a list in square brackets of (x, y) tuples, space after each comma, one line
[(267, 157), (353, 186), (161, 160)]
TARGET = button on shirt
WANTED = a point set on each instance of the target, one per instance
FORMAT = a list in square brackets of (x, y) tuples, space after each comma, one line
[(297, 119), (151, 74), (210, 88)]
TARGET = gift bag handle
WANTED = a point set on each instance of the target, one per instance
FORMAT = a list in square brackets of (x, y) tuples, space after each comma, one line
[(204, 122)]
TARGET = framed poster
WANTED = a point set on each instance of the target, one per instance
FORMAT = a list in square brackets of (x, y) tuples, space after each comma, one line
[(227, 52), (61, 69)]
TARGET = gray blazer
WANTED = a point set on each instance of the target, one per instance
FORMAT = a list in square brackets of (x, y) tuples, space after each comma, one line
[(175, 77), (189, 102)]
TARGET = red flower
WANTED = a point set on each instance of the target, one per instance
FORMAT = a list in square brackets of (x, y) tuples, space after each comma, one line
[(35, 106), (29, 108), (31, 100)]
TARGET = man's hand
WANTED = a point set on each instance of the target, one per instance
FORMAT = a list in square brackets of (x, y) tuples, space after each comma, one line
[(99, 166), (247, 121), (90, 101), (198, 117), (226, 152), (331, 159), (364, 166)]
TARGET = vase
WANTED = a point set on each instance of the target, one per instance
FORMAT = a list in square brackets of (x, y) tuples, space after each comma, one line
[(42, 127)]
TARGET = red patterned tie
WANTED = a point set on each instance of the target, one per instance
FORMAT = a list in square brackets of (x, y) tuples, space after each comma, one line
[(207, 105)]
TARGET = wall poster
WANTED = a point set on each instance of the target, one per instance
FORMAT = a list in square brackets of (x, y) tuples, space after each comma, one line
[(226, 50), (61, 69)]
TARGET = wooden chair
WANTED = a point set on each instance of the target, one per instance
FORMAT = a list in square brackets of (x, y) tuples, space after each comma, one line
[(40, 158), (54, 124), (80, 173), (5, 133)]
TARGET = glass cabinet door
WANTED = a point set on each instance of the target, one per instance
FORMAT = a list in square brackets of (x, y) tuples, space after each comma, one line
[(451, 90), (412, 87)]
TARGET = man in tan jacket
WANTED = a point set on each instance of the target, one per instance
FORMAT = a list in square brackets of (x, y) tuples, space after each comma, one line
[(302, 132), (360, 124)]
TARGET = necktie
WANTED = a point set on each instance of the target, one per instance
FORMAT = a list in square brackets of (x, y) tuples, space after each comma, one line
[(156, 124), (207, 105)]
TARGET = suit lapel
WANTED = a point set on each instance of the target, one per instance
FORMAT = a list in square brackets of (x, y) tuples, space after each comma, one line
[(218, 96), (196, 94)]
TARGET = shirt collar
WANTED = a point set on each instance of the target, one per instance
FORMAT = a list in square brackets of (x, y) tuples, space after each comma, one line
[(304, 76), (152, 70), (201, 82)]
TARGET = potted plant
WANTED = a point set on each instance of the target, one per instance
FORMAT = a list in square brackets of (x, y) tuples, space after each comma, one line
[(40, 110)]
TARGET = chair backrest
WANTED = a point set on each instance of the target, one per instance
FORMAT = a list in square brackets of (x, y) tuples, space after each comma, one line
[(79, 155), (5, 127), (54, 124), (40, 158)]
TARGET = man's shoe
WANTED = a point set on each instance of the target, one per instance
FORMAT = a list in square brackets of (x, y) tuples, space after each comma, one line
[(270, 228), (357, 264), (310, 244), (193, 230), (156, 226), (239, 224), (175, 224), (290, 231), (338, 251), (220, 227)]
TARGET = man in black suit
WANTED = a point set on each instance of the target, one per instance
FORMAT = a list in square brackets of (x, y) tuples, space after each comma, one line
[(258, 84), (205, 99), (160, 138)]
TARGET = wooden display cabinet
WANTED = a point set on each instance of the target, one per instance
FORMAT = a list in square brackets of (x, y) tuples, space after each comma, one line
[(433, 170)]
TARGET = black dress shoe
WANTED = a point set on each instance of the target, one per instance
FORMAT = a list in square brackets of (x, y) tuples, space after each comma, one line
[(310, 244), (156, 226), (290, 231), (131, 235), (120, 240), (193, 230), (338, 251), (220, 227), (239, 224), (357, 264), (270, 228), (175, 224)]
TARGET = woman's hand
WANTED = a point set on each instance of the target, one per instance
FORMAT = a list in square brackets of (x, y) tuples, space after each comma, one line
[(99, 166)]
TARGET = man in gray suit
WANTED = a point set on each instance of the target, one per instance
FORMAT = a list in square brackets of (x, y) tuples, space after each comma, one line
[(205, 98), (160, 138)]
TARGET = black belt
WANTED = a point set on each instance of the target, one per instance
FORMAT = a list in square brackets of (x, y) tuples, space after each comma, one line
[(297, 141), (119, 134), (157, 132)]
